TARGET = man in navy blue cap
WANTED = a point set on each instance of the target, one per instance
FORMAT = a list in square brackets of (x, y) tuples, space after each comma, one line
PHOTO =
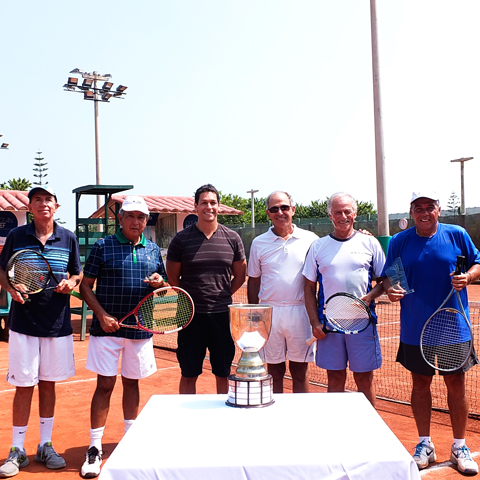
[(40, 347)]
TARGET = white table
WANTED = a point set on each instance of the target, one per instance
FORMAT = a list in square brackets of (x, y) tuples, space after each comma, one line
[(301, 436)]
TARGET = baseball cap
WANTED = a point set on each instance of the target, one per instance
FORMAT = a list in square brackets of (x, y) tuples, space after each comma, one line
[(430, 194), (134, 203), (45, 188)]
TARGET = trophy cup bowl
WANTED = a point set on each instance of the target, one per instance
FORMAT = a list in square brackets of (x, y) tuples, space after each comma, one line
[(251, 386)]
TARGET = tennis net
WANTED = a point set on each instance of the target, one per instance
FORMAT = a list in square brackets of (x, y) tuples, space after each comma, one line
[(392, 381)]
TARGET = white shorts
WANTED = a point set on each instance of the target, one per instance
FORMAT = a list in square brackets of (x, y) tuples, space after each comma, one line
[(138, 359), (290, 330), (31, 359)]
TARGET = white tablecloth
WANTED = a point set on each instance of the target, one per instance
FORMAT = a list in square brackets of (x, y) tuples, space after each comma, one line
[(301, 436)]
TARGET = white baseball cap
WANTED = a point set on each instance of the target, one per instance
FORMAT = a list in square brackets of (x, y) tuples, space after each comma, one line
[(134, 203), (45, 188), (430, 194)]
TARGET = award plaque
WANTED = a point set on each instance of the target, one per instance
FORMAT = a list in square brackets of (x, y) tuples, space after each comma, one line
[(397, 277)]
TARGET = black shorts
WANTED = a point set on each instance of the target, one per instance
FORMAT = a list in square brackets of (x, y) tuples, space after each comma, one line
[(411, 358), (207, 330)]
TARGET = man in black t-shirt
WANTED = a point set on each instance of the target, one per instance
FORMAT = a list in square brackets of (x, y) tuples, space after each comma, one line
[(208, 261)]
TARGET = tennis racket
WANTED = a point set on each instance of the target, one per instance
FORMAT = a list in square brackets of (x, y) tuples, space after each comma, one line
[(165, 310), (29, 272), (446, 340), (345, 313)]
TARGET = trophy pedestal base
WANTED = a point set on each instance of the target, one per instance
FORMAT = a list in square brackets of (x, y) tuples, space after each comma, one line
[(250, 392)]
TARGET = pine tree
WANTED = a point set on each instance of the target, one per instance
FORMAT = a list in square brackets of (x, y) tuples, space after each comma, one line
[(40, 169)]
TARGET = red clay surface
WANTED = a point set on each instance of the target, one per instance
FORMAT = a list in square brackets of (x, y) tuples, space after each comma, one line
[(71, 429)]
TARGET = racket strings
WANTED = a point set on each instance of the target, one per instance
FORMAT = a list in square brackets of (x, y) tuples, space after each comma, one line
[(347, 314), (165, 312), (28, 273), (446, 340)]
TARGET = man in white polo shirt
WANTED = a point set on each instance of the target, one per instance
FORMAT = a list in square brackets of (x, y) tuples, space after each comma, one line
[(275, 278)]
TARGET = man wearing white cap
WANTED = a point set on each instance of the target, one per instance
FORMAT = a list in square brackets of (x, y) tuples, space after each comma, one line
[(40, 349), (126, 267), (428, 252)]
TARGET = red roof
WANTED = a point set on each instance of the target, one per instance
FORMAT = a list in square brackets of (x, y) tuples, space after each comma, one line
[(13, 200), (160, 204)]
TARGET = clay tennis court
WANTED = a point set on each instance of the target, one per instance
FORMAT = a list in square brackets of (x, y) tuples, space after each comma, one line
[(71, 429)]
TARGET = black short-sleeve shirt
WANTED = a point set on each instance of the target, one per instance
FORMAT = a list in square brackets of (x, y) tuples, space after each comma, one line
[(207, 265)]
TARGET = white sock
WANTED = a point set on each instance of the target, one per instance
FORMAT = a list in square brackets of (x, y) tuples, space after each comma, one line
[(128, 424), (458, 442), (46, 427), (425, 439), (96, 435), (18, 436)]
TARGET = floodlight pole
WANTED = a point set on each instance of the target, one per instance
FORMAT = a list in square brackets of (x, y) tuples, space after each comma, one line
[(462, 184), (383, 224), (253, 192), (98, 175), (92, 92)]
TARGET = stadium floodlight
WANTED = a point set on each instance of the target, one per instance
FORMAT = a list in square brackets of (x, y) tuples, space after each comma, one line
[(96, 94), (107, 86)]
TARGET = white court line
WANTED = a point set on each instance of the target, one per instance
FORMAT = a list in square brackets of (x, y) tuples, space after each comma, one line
[(389, 338), (88, 379), (442, 466)]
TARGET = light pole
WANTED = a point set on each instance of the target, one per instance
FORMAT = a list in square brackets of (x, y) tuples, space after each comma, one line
[(383, 225), (462, 185), (253, 192), (92, 92)]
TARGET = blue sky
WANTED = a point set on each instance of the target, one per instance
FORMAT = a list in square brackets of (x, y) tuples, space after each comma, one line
[(262, 94)]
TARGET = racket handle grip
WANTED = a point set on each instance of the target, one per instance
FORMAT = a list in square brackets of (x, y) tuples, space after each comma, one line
[(311, 341), (460, 264)]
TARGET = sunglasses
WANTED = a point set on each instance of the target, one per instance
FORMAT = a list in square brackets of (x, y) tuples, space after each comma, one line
[(283, 208)]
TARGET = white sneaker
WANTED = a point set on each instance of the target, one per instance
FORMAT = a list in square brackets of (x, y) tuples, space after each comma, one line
[(424, 454), (92, 464), (461, 457), (16, 460)]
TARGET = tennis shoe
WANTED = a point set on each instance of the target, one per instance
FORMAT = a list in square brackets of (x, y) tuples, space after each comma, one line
[(424, 454), (46, 454), (461, 457), (17, 459), (92, 464)]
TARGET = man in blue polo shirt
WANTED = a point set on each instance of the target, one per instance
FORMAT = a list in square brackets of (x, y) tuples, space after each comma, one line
[(126, 267), (40, 349)]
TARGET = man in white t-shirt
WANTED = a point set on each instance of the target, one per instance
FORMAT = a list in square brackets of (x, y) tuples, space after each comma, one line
[(275, 278), (344, 261)]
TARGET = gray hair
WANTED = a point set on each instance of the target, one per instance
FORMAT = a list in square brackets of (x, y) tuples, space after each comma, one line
[(339, 195), (292, 202)]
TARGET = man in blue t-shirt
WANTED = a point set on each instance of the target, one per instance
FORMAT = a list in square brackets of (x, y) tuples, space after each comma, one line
[(40, 349), (428, 252)]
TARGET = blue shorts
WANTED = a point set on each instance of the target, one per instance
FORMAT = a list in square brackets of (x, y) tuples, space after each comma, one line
[(361, 352)]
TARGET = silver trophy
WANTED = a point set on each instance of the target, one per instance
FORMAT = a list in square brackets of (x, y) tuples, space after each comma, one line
[(251, 386)]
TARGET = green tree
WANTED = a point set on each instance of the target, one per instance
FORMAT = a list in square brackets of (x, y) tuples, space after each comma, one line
[(40, 170), (21, 184), (453, 203), (365, 208)]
